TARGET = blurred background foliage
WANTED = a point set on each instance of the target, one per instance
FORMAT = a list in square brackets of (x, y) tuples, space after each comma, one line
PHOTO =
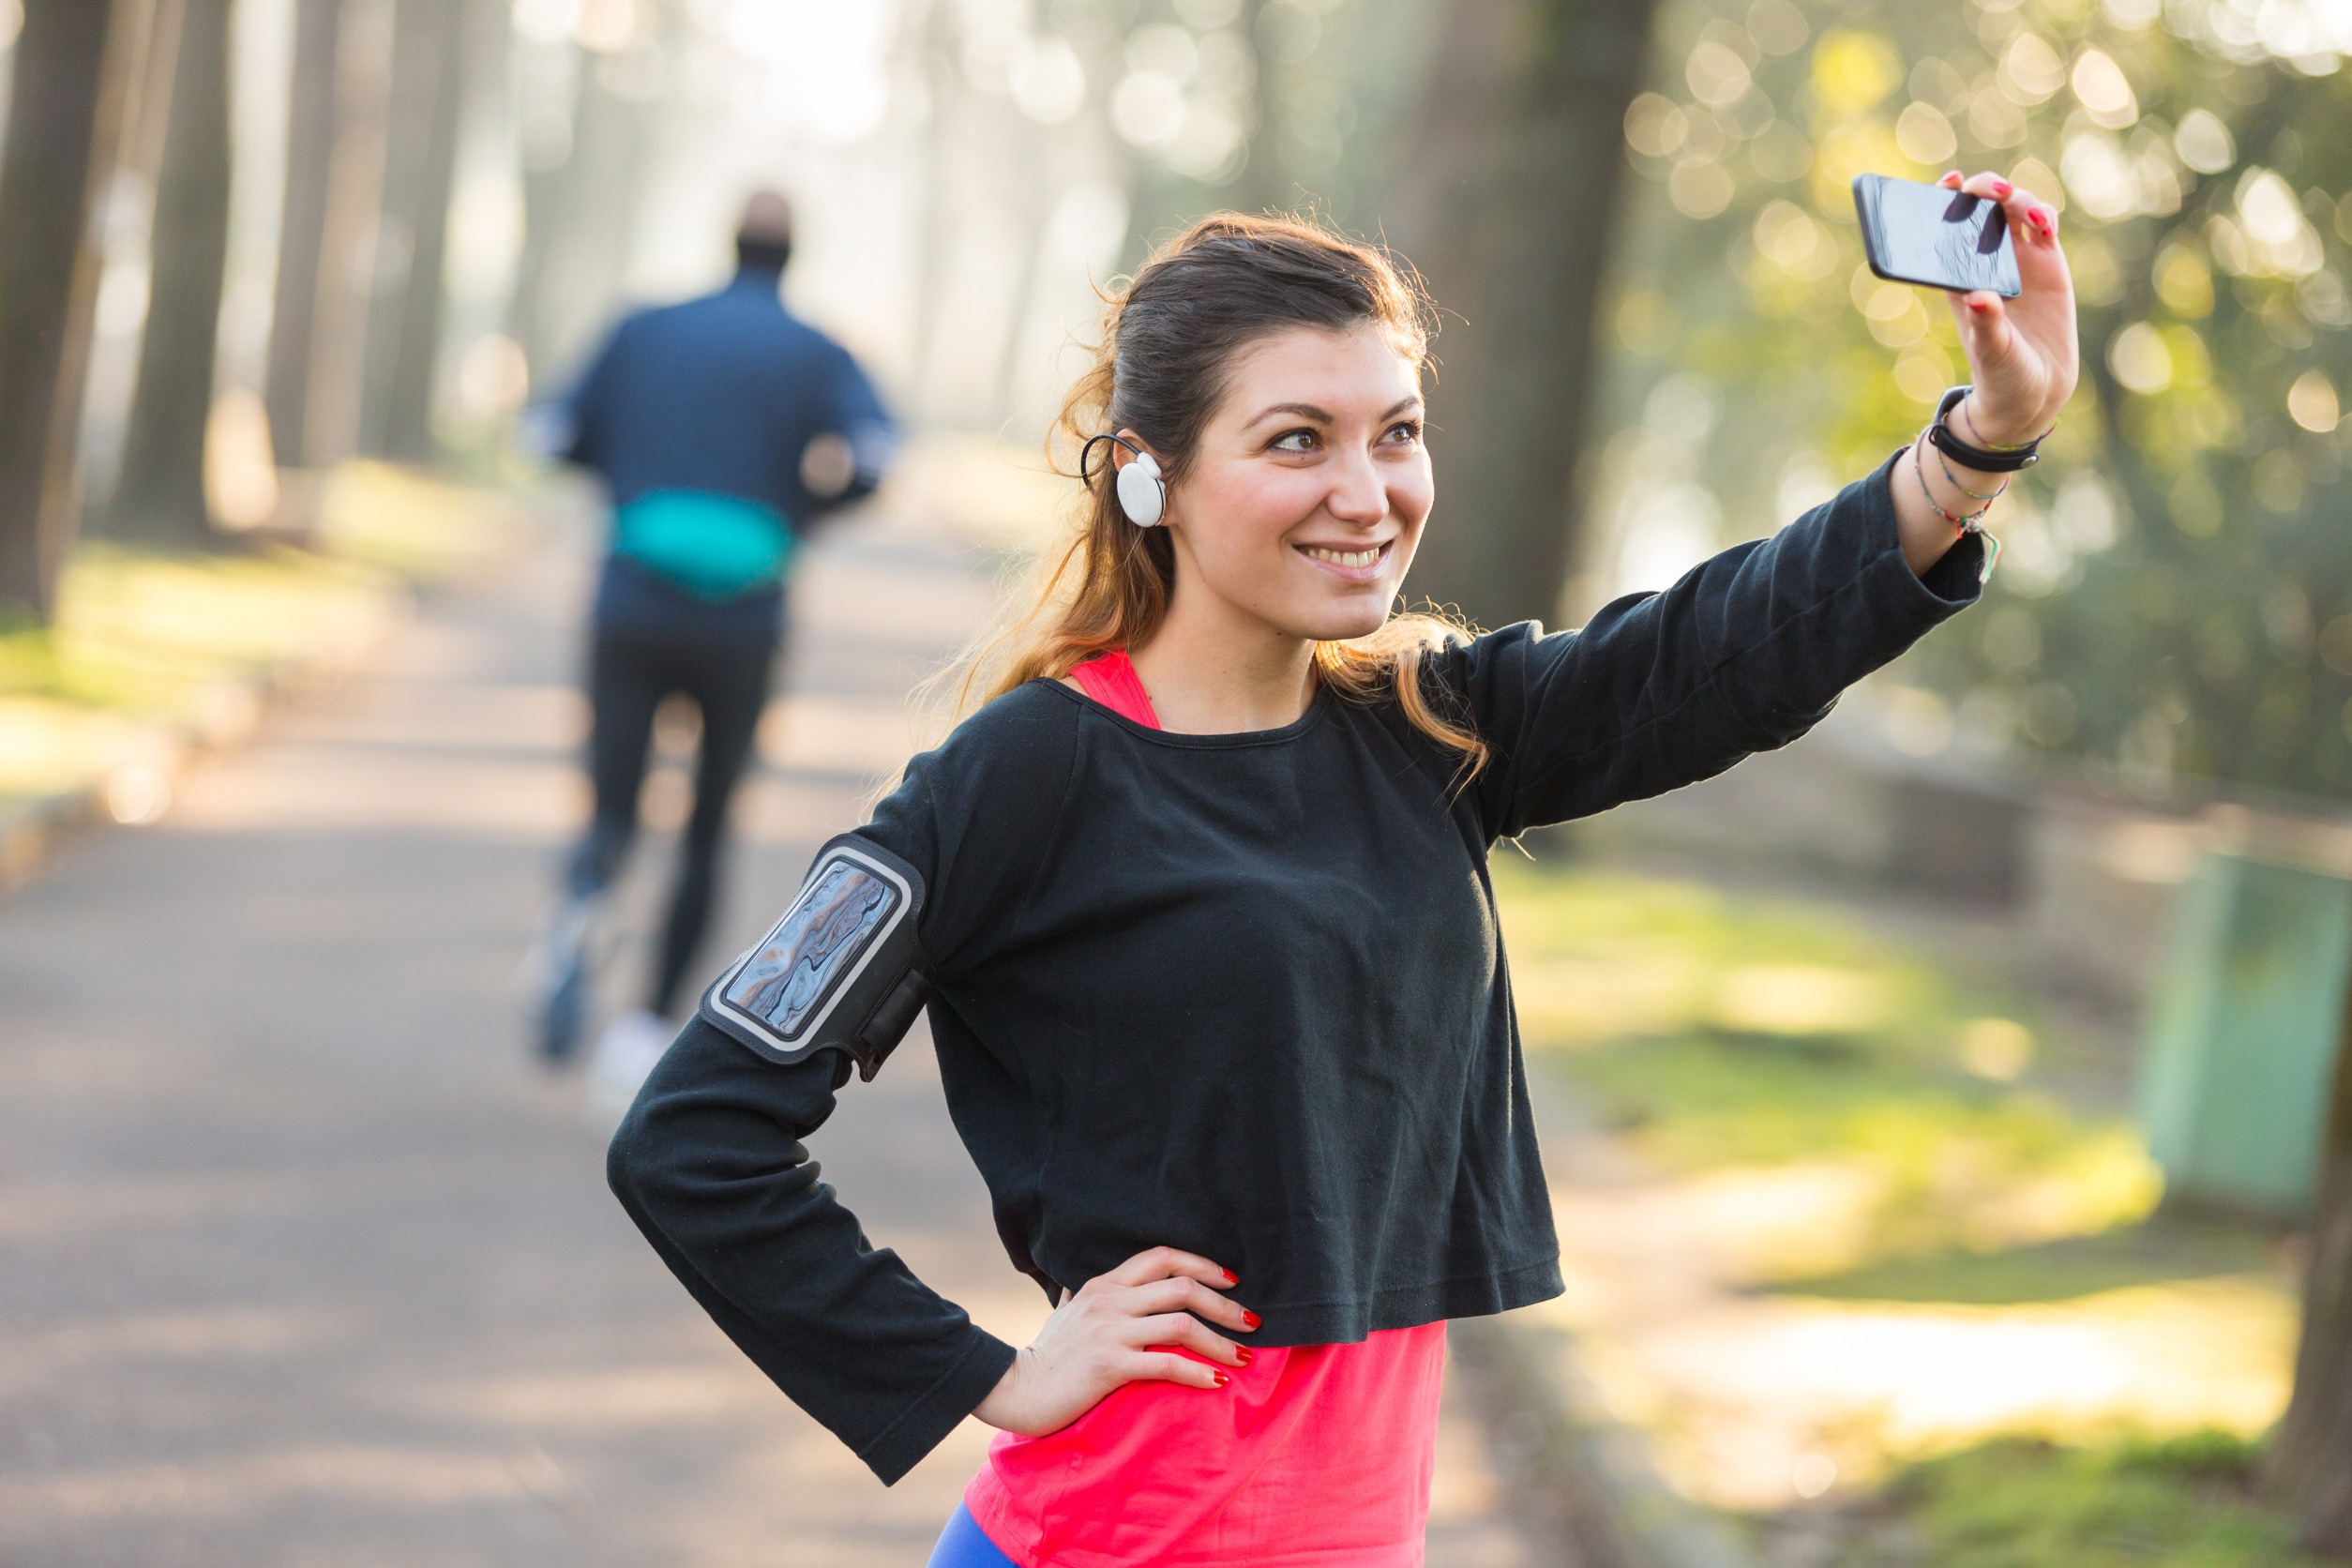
[(1720, 1033), (2173, 609), (2130, 1501), (1659, 336)]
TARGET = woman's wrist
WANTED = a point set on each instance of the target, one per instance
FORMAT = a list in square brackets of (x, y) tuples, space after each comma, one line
[(1960, 486), (1920, 522), (996, 1408), (1946, 489), (1954, 486), (1980, 425)]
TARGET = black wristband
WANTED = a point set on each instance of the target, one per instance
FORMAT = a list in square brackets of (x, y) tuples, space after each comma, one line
[(1984, 459)]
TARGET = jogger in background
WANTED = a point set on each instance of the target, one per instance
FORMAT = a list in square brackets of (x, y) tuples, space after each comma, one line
[(723, 429)]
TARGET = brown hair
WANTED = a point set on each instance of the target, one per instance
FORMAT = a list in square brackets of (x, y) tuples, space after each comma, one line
[(1169, 340)]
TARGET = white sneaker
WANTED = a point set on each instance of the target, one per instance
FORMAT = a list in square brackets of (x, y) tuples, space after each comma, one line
[(559, 973), (625, 1054)]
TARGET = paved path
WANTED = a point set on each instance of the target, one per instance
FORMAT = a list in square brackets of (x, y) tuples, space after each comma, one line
[(301, 1261)]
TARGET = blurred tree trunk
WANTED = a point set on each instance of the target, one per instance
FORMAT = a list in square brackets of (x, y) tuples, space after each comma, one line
[(2311, 1453), (936, 256), (161, 497), (350, 248), (1261, 186), (73, 62), (1164, 203), (302, 227), (1509, 206), (420, 158), (578, 217)]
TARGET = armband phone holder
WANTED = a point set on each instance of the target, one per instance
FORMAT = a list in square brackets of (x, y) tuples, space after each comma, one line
[(843, 969)]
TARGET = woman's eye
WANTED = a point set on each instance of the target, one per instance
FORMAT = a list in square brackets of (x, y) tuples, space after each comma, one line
[(1295, 441), (1404, 432)]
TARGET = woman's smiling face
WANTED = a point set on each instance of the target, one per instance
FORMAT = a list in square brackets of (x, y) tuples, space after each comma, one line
[(1305, 497)]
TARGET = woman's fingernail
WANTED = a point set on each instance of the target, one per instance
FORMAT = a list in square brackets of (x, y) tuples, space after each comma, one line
[(1244, 1353), (1221, 1378), (1233, 1278), (2003, 189), (1981, 306), (1250, 1320)]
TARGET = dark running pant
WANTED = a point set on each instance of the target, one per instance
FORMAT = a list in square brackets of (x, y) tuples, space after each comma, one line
[(631, 669)]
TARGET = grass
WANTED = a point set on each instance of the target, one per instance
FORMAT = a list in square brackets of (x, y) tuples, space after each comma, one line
[(144, 647), (2187, 1501), (1715, 1032), (143, 633), (412, 524), (1793, 1051), (2160, 1250)]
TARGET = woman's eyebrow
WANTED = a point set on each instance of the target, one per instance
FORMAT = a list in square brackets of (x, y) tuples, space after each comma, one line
[(1321, 416)]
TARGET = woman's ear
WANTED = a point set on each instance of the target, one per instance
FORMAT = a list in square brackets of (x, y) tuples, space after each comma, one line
[(1124, 446)]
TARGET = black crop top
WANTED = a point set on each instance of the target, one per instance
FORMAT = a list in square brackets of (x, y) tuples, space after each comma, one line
[(1242, 994)]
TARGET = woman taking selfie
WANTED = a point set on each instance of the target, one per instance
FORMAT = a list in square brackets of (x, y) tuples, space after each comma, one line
[(1199, 900)]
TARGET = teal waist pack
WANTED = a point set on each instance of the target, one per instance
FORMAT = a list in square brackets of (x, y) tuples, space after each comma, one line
[(713, 547)]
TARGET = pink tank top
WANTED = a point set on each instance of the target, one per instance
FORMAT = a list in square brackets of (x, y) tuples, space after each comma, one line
[(1111, 680), (1311, 1457)]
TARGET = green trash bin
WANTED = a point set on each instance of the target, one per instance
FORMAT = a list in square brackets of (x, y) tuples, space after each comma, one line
[(2246, 1023)]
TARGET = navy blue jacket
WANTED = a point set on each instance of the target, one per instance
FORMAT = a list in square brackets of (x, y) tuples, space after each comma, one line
[(721, 395)]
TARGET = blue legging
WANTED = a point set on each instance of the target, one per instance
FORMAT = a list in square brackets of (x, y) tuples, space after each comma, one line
[(961, 1545)]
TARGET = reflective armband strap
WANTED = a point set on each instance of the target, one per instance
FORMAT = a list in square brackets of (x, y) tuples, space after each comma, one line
[(842, 969)]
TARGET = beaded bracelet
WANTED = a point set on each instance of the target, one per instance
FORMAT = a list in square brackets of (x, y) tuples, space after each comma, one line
[(1966, 522), (1954, 480), (1962, 520)]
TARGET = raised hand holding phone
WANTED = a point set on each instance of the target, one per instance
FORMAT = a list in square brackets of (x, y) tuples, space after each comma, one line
[(2023, 352), (2024, 360)]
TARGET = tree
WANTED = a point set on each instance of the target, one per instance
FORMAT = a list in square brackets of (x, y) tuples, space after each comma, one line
[(420, 158), (1509, 208), (161, 497), (351, 250), (2311, 1454), (73, 60), (578, 206), (302, 227), (2173, 607)]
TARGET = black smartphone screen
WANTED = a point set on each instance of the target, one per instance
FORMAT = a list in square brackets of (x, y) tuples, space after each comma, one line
[(1938, 238)]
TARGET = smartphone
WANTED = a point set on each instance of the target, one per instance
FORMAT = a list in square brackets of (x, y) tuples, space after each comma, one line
[(1935, 238)]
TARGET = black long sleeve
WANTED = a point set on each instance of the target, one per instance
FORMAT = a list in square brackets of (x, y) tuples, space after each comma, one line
[(1241, 994), (1747, 652), (710, 1164)]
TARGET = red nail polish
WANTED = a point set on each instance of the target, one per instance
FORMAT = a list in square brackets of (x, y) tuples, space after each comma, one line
[(1250, 1320), (1246, 1354), (2003, 189), (1980, 307), (1222, 1379), (1233, 1278)]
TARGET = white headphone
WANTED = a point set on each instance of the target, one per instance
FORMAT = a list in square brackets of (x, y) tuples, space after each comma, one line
[(1143, 493)]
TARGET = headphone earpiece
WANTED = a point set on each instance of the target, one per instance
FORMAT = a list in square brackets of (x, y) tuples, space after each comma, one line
[(1143, 493)]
